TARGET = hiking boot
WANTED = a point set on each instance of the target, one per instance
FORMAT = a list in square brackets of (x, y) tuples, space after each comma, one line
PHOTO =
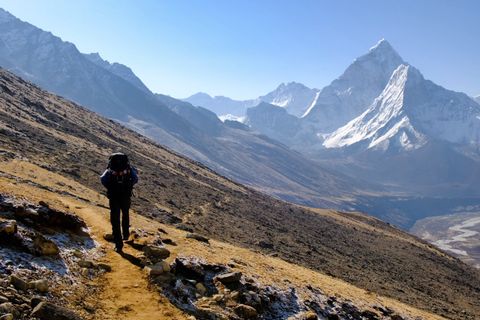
[(118, 249)]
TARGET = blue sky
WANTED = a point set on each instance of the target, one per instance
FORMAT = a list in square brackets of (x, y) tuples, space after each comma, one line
[(243, 49)]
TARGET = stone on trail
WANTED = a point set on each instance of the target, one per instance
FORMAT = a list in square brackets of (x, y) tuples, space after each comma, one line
[(156, 253), (40, 285), (49, 311)]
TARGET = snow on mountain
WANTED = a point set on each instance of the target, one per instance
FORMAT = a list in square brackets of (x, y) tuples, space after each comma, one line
[(477, 99), (408, 113), (118, 69), (220, 105), (294, 97), (349, 95)]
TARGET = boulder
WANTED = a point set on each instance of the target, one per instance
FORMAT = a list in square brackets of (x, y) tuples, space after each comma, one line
[(18, 283), (49, 311), (7, 316), (35, 301), (157, 269), (8, 228), (231, 277), (265, 244), (3, 299), (245, 312), (197, 237), (7, 307), (44, 246), (156, 253), (201, 289), (40, 285), (86, 264), (105, 267)]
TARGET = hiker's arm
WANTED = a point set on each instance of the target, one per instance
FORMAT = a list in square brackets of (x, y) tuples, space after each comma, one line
[(134, 175), (105, 178)]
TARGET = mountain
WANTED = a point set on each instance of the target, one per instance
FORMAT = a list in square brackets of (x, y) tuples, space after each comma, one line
[(118, 69), (344, 99), (294, 97), (477, 99), (408, 113), (273, 122), (53, 151), (349, 95), (106, 88), (220, 105)]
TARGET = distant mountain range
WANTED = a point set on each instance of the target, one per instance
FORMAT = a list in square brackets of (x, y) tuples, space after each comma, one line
[(294, 97)]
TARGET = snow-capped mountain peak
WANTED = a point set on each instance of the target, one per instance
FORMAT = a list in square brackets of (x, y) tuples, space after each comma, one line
[(293, 97), (350, 94), (409, 112)]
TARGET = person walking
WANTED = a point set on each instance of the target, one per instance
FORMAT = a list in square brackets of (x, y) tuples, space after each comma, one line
[(119, 179)]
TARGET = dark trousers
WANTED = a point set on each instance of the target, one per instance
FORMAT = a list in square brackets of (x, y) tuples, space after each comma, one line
[(117, 205)]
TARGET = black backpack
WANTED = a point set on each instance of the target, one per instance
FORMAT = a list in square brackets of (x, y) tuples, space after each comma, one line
[(121, 177), (118, 162)]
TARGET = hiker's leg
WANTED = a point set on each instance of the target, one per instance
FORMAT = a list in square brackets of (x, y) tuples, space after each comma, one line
[(115, 220), (126, 218)]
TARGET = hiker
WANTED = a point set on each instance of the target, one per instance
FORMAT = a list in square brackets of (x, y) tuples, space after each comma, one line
[(119, 179)]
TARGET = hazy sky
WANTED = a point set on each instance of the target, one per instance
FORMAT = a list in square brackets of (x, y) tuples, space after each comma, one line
[(244, 49)]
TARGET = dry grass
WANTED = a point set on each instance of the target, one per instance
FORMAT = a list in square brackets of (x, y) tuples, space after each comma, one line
[(125, 291)]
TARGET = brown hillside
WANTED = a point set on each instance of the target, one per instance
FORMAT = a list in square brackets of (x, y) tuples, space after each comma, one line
[(64, 138)]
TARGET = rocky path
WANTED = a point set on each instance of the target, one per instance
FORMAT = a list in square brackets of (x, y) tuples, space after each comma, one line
[(126, 293)]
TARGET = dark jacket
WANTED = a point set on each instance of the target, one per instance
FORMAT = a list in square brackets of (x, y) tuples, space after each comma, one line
[(119, 186)]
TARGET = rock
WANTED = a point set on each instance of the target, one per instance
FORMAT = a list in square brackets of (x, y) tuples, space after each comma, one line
[(3, 299), (43, 204), (197, 237), (396, 317), (169, 241), (309, 315), (231, 277), (35, 301), (369, 315), (49, 311), (8, 228), (184, 228), (18, 283), (201, 288), (7, 316), (108, 237), (7, 307), (44, 246), (165, 278), (156, 253), (156, 269), (245, 312), (105, 267), (86, 264), (165, 266), (189, 268), (265, 244), (40, 285)]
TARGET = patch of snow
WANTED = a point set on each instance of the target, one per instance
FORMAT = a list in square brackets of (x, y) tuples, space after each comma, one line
[(232, 117)]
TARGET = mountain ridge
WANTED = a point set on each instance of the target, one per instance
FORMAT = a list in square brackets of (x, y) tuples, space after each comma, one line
[(71, 141)]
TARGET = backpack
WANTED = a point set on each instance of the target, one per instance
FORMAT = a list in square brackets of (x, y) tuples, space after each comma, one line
[(121, 177), (118, 162)]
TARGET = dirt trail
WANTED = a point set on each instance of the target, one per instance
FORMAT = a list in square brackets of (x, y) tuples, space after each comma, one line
[(125, 292)]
